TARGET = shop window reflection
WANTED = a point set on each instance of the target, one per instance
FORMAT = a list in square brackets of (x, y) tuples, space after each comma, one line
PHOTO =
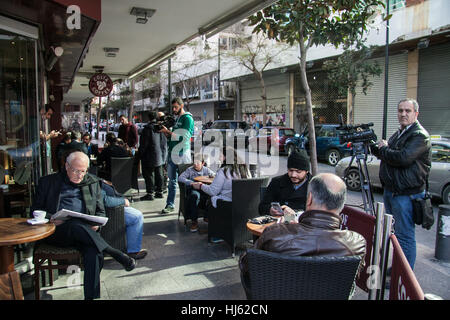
[(19, 142)]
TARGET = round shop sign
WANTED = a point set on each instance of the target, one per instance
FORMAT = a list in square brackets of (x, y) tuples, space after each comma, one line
[(100, 85)]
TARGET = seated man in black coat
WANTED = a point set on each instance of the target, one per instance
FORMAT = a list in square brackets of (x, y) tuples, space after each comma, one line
[(74, 189), (111, 149), (290, 188)]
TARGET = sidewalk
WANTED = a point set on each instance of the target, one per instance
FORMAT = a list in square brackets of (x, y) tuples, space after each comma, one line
[(182, 265)]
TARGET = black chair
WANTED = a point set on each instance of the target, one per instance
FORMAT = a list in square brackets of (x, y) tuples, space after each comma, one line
[(115, 231), (122, 175), (262, 192), (275, 276), (182, 188), (229, 220)]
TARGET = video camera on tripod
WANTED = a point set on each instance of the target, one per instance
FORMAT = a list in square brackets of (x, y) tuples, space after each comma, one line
[(361, 137), (356, 133)]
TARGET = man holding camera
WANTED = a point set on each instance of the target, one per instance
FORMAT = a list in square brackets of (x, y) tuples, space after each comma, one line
[(153, 153), (405, 165), (179, 143)]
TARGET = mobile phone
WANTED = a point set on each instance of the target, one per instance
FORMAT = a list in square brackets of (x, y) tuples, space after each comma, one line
[(276, 206)]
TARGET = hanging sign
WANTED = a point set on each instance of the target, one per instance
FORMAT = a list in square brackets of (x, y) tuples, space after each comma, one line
[(100, 85)]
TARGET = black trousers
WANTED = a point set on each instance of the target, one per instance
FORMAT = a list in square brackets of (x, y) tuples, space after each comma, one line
[(76, 233), (196, 199), (153, 177)]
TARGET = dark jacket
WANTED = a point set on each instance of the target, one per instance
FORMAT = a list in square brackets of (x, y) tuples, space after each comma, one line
[(152, 147), (47, 198), (317, 233), (104, 159), (406, 161), (92, 149), (48, 191), (129, 134), (282, 190)]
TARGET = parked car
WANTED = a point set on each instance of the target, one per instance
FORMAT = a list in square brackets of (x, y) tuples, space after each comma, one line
[(227, 128), (327, 143), (268, 134), (439, 179)]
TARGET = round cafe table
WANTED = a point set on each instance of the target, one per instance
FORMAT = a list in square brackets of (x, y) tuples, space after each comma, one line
[(204, 179), (257, 229), (16, 231)]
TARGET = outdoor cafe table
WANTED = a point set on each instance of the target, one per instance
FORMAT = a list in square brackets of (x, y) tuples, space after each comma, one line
[(204, 179), (15, 231), (257, 229)]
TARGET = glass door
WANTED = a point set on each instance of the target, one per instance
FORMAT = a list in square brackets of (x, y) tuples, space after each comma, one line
[(19, 118)]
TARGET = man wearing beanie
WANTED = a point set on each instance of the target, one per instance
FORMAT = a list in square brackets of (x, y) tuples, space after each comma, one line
[(288, 189)]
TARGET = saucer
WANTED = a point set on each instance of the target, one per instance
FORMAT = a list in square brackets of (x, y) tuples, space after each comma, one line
[(34, 221)]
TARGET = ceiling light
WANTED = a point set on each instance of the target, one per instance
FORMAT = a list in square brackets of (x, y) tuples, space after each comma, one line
[(142, 14), (52, 56), (111, 52)]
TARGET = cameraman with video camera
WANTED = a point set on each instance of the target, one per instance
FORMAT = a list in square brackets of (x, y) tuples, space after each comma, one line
[(179, 142), (153, 154), (405, 165)]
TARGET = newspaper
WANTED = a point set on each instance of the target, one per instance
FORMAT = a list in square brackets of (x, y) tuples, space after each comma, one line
[(65, 214)]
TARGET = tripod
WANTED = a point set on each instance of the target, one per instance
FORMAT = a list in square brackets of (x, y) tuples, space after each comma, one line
[(360, 151)]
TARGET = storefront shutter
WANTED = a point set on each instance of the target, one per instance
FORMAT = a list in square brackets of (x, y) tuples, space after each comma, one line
[(369, 108), (433, 92)]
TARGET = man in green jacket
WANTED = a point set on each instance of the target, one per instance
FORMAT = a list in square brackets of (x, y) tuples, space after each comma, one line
[(179, 143)]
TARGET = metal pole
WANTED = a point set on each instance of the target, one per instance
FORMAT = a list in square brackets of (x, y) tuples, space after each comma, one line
[(218, 69), (386, 75), (375, 262), (169, 74), (385, 245)]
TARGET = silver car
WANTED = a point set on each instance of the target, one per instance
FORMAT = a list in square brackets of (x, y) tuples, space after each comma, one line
[(439, 179)]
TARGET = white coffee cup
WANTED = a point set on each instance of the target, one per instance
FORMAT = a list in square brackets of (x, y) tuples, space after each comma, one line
[(39, 215)]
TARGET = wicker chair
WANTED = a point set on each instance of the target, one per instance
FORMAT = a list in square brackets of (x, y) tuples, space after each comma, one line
[(182, 189), (229, 220), (123, 176), (65, 256), (275, 276), (114, 233)]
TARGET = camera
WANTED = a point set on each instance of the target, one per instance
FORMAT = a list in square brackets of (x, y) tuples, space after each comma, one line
[(167, 121), (356, 133)]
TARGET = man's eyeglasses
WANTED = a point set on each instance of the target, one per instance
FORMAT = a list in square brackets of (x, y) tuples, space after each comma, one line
[(77, 172)]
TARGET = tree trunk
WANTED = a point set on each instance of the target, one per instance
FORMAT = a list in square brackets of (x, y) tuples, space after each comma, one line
[(263, 96), (311, 131), (130, 116), (98, 117)]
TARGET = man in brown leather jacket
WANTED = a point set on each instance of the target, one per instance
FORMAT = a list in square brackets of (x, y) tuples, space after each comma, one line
[(317, 232)]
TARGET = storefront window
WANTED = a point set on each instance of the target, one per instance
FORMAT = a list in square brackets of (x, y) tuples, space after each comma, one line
[(19, 135)]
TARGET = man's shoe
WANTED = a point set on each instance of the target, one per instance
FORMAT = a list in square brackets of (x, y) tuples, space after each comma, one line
[(131, 265), (159, 195), (194, 226), (167, 209), (216, 240), (138, 255), (147, 197)]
